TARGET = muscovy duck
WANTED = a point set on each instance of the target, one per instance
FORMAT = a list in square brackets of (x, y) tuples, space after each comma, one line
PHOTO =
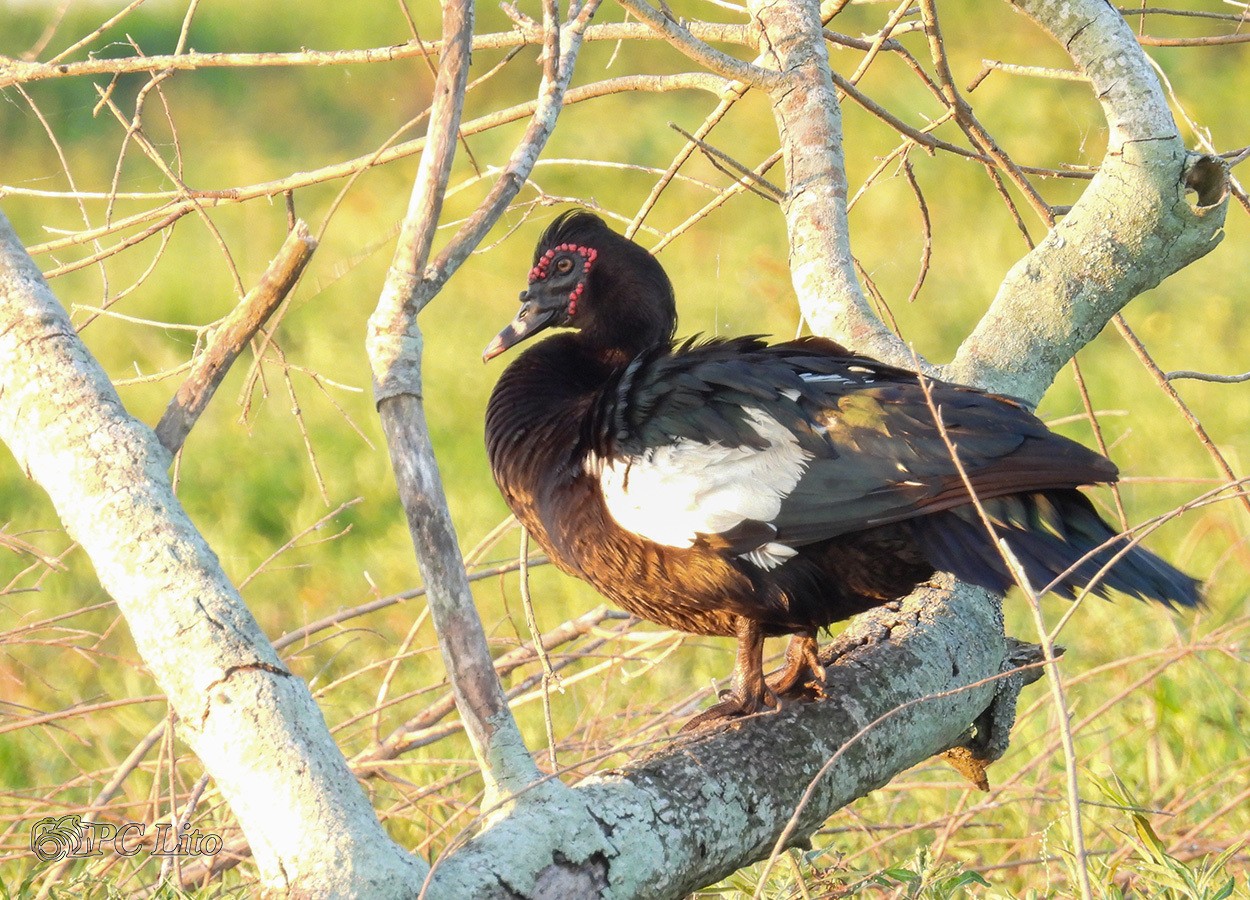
[(732, 487)]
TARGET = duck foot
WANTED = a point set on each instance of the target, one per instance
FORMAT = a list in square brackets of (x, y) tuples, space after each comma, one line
[(730, 708), (750, 693), (802, 679)]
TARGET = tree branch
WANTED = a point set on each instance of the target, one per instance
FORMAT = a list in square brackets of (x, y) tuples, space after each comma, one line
[(904, 681), (253, 725), (19, 71), (677, 34), (1132, 227), (809, 119), (240, 326), (179, 203), (394, 346)]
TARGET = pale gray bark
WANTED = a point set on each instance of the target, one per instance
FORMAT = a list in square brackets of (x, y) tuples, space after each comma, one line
[(809, 120), (1132, 227), (252, 723), (394, 346), (712, 803)]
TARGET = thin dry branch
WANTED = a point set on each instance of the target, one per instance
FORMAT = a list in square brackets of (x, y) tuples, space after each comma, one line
[(235, 332), (967, 119), (177, 203), (1165, 385), (1213, 40), (677, 34), (15, 71), (415, 731), (1207, 376)]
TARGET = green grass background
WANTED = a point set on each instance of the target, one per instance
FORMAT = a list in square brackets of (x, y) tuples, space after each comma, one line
[(1172, 694)]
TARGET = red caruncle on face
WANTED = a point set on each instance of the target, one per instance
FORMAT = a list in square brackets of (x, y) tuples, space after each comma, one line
[(542, 268)]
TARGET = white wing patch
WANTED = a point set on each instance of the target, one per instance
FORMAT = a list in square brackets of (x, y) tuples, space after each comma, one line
[(673, 494), (770, 555), (813, 378)]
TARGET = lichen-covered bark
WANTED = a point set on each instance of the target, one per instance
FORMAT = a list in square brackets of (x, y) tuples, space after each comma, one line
[(1132, 227), (809, 120), (253, 724), (714, 802)]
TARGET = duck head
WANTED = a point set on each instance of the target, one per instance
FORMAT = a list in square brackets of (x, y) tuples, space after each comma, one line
[(587, 277)]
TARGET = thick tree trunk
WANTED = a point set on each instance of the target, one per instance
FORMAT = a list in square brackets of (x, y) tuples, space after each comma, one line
[(252, 723), (904, 683)]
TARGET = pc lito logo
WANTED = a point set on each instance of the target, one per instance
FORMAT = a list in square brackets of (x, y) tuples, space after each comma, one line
[(55, 839)]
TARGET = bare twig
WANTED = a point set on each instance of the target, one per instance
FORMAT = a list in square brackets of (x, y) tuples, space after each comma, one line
[(730, 166), (1207, 376), (14, 71), (992, 65), (1164, 385), (967, 120), (926, 249), (178, 204), (402, 738), (531, 621), (71, 712), (1092, 417), (1050, 653), (239, 327), (680, 37), (1209, 41)]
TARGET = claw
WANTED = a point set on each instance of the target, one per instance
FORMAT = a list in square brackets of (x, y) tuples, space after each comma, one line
[(731, 708), (801, 679)]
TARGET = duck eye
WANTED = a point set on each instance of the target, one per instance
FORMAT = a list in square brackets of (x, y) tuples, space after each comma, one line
[(564, 265)]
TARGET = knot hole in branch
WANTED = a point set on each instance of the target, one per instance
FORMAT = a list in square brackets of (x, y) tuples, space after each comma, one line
[(1207, 176)]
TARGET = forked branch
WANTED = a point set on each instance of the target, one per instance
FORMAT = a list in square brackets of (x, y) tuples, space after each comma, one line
[(1132, 227), (394, 345)]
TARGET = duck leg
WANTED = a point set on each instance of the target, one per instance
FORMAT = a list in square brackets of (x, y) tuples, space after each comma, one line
[(803, 677), (750, 693)]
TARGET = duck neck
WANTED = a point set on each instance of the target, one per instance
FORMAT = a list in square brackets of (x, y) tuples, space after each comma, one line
[(625, 337)]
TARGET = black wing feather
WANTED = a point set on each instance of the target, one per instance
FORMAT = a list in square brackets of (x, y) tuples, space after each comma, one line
[(877, 454)]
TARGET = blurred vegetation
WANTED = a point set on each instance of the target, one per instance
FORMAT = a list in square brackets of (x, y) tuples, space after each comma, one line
[(1161, 700)]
